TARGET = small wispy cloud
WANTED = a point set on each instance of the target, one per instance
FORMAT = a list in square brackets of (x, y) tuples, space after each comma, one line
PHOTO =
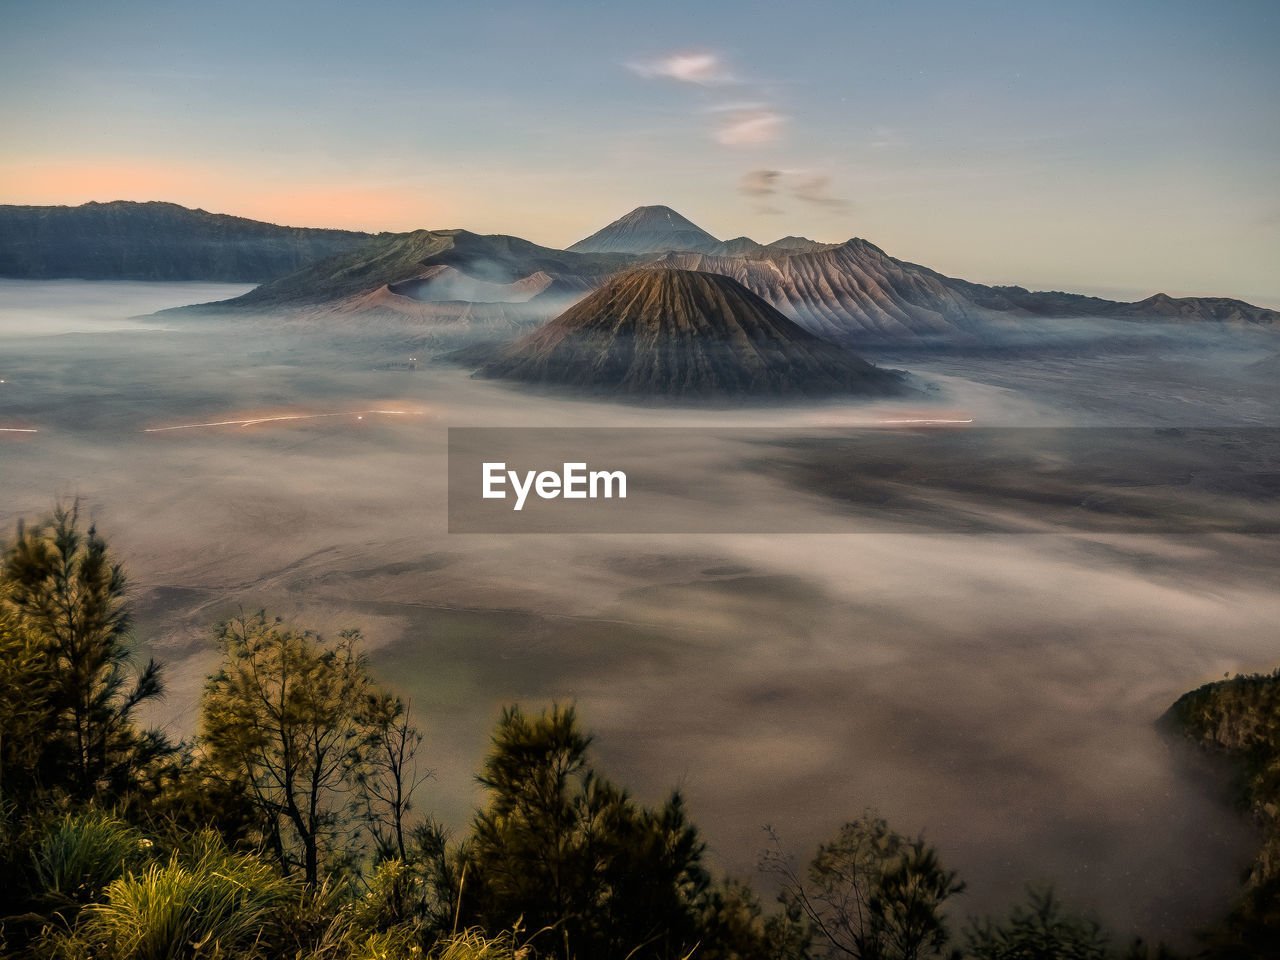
[(764, 184), (740, 124), (759, 183), (705, 68), (815, 188), (739, 128)]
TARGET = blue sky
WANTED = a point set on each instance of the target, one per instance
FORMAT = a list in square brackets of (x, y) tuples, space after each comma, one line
[(1104, 147)]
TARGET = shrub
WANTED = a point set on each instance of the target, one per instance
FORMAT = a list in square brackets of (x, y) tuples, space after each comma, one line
[(213, 905), (84, 853), (1042, 927)]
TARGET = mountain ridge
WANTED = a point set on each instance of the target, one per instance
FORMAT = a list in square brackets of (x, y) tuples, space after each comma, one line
[(156, 240), (855, 293), (852, 293)]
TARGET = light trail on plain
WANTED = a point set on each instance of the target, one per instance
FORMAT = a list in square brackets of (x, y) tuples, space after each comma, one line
[(18, 430), (925, 421), (358, 414)]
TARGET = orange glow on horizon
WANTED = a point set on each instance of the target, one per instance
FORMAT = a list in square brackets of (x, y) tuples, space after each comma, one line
[(295, 203)]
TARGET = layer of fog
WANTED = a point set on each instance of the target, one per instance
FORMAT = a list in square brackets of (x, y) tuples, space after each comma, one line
[(997, 692), (48, 307)]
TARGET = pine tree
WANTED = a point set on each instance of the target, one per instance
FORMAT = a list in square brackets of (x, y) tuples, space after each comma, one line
[(561, 850), (63, 600)]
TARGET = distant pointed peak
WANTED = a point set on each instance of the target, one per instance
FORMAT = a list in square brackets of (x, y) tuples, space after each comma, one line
[(649, 229), (657, 213)]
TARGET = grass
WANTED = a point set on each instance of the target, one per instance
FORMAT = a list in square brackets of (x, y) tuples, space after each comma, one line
[(211, 903), (84, 853)]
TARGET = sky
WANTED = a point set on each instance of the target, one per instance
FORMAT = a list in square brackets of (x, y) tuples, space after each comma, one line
[(1115, 149)]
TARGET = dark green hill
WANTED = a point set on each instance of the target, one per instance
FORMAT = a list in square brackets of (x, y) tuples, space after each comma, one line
[(156, 241)]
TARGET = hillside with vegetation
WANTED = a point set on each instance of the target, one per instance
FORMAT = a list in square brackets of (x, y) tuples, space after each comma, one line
[(1238, 719)]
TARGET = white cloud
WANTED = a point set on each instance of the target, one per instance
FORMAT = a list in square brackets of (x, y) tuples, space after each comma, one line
[(746, 127), (702, 67), (736, 124)]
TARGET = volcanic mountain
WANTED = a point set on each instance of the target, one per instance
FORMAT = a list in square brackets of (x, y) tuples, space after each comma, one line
[(684, 334), (648, 230)]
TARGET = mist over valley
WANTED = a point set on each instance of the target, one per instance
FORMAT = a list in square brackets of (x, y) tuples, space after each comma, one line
[(998, 691)]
